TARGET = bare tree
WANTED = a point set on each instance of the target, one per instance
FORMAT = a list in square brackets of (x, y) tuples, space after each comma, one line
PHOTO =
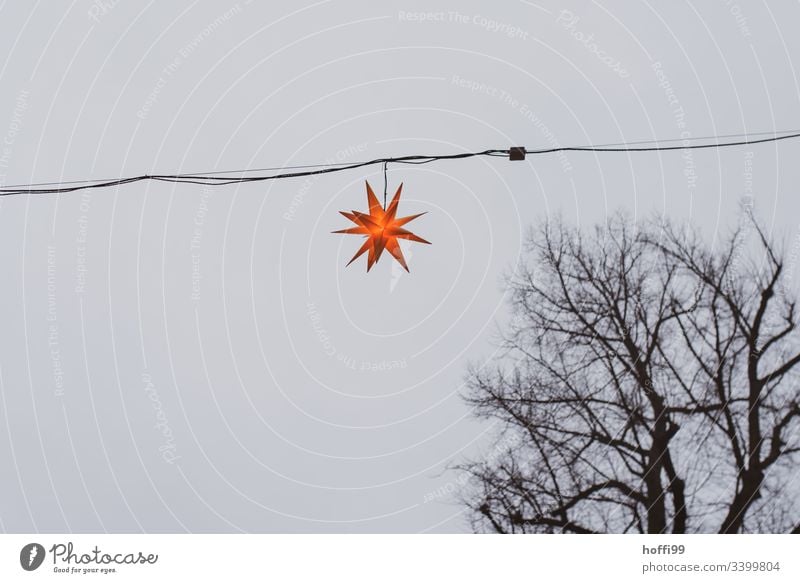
[(647, 386)]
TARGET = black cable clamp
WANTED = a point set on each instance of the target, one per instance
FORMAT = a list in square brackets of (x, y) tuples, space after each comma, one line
[(516, 153)]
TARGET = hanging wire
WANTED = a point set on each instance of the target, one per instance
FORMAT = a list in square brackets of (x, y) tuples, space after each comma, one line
[(385, 182), (214, 178)]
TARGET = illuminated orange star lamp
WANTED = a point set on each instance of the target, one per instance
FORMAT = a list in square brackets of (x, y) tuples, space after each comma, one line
[(382, 229)]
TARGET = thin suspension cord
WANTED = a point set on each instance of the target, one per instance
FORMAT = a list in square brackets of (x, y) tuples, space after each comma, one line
[(698, 138), (212, 178)]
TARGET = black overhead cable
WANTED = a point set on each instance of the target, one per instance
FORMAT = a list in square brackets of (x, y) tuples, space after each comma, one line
[(515, 153)]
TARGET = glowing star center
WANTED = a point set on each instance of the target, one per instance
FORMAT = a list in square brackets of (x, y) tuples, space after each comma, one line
[(382, 229)]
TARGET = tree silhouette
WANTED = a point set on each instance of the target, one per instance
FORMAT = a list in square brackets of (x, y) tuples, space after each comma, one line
[(647, 386)]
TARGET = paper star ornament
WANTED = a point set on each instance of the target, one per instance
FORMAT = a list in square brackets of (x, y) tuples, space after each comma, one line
[(382, 229)]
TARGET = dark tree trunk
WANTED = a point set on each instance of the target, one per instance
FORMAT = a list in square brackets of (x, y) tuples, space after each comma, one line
[(749, 493)]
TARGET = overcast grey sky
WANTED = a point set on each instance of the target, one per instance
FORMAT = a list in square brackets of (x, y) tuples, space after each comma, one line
[(176, 358)]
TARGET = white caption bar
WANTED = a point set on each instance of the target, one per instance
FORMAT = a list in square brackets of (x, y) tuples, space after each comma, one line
[(356, 558)]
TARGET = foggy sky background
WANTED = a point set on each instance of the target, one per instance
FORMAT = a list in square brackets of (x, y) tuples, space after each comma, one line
[(178, 358)]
